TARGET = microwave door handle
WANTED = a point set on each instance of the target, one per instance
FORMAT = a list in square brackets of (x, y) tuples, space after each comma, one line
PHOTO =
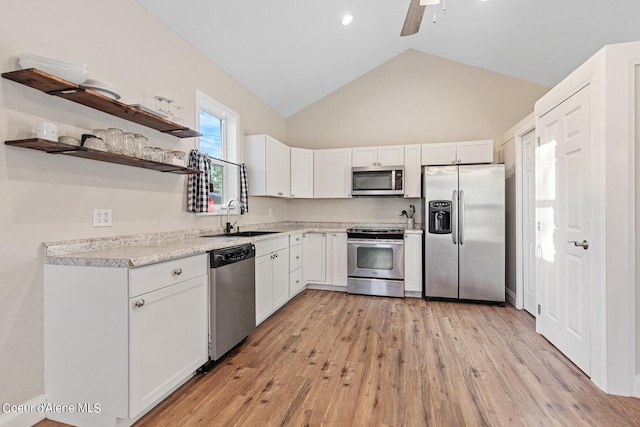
[(454, 219)]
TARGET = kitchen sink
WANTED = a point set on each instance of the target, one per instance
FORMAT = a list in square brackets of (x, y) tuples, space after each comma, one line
[(242, 234)]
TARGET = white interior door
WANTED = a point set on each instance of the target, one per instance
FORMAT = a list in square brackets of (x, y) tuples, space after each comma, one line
[(562, 213), (529, 222)]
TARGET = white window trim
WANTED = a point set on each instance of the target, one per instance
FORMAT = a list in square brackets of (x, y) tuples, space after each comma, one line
[(231, 139)]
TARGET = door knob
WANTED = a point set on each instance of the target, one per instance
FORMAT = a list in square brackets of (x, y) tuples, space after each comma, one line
[(584, 244)]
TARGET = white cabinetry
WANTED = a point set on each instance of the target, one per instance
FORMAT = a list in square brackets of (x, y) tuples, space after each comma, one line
[(325, 260), (466, 152), (122, 338), (412, 170), (301, 173), (315, 257), (296, 283), (272, 276), (388, 155), (332, 173), (268, 166), (413, 265)]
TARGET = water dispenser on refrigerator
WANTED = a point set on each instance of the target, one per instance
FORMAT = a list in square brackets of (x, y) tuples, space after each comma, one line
[(440, 217)]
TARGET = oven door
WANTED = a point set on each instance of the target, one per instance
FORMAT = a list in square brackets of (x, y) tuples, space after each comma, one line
[(376, 259)]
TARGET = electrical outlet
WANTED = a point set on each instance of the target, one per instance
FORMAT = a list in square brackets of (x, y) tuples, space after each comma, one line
[(102, 218)]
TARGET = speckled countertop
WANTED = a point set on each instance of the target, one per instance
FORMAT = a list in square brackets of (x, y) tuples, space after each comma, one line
[(144, 249)]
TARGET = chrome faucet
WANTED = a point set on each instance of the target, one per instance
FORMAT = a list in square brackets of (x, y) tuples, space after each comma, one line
[(228, 228)]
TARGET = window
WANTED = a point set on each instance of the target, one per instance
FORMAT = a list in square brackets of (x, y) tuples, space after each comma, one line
[(219, 128)]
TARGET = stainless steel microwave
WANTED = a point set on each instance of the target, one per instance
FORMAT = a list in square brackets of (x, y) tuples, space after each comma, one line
[(377, 181)]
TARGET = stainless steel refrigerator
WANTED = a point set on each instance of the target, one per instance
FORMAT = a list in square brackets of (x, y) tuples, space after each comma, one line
[(464, 232)]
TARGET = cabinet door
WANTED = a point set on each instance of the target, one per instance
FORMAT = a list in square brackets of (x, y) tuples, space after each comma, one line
[(280, 278), (442, 153), (263, 288), (391, 155), (475, 151), (364, 156), (277, 168), (332, 173), (339, 259), (167, 339), (301, 173), (412, 170), (314, 257), (413, 264)]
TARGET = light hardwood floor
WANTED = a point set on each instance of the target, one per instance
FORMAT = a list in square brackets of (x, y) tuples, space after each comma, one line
[(328, 358)]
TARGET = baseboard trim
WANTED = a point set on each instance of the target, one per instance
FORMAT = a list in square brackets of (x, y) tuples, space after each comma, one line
[(637, 387), (413, 294), (327, 287), (32, 413), (511, 296)]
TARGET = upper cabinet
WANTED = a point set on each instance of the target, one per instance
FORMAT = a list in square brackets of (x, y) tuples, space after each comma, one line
[(466, 152), (412, 170), (268, 171), (388, 155), (301, 173), (332, 173)]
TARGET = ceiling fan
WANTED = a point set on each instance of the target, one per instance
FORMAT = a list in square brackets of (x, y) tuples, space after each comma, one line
[(415, 13)]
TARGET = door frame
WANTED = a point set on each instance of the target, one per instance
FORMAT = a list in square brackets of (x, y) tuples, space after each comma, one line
[(527, 127)]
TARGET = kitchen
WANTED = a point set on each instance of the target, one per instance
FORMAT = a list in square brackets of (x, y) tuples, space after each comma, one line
[(51, 199)]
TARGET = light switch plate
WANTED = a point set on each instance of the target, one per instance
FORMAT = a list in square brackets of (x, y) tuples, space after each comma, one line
[(102, 218)]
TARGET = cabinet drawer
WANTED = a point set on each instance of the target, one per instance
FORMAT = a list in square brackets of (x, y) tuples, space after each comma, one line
[(151, 277), (264, 247), (295, 282), (295, 257), (295, 239)]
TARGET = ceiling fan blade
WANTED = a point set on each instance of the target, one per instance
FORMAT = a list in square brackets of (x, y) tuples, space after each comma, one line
[(413, 19)]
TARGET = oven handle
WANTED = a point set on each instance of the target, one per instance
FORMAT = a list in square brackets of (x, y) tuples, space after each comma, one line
[(376, 241)]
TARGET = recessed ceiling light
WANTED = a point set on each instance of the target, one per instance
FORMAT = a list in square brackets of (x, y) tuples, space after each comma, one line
[(347, 19)]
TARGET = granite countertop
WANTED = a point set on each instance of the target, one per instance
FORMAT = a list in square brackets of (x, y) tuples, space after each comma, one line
[(143, 249)]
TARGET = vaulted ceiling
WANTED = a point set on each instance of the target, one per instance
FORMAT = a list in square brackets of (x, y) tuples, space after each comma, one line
[(291, 53)]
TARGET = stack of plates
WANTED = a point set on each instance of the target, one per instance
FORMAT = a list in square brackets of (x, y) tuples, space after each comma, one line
[(73, 72), (104, 88)]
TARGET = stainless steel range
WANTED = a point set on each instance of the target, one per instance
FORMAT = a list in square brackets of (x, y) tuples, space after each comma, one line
[(375, 261)]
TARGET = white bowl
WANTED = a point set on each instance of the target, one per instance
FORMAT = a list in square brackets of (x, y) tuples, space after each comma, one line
[(74, 72), (69, 140), (104, 88)]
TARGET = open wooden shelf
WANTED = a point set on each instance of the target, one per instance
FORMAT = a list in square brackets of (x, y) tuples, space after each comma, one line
[(56, 86), (54, 147)]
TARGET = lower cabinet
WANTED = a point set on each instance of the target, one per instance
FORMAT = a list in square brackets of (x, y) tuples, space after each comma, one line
[(413, 265), (272, 276), (325, 258), (295, 264), (122, 339)]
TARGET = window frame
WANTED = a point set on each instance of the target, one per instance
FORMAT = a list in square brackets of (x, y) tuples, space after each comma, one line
[(230, 138)]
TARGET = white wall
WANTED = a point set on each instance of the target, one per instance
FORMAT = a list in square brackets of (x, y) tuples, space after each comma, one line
[(47, 197)]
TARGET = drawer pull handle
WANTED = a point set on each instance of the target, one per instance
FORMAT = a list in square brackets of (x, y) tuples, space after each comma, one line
[(297, 256), (139, 303), (177, 272)]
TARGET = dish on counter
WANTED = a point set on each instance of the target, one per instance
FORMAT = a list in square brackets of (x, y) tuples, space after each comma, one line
[(74, 72), (104, 88)]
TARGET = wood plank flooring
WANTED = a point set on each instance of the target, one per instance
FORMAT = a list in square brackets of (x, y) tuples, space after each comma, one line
[(333, 359)]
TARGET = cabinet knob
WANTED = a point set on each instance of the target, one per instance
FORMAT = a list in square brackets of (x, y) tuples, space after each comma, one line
[(139, 303), (177, 272), (297, 256)]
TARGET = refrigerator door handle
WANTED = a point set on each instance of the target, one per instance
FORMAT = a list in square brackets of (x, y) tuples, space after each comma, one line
[(454, 226), (461, 221)]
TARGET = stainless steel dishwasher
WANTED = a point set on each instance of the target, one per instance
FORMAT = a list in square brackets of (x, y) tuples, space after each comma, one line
[(232, 298)]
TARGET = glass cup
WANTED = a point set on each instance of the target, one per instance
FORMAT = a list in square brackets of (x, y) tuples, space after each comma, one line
[(160, 154), (128, 144), (148, 153), (115, 139), (140, 143), (100, 133)]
